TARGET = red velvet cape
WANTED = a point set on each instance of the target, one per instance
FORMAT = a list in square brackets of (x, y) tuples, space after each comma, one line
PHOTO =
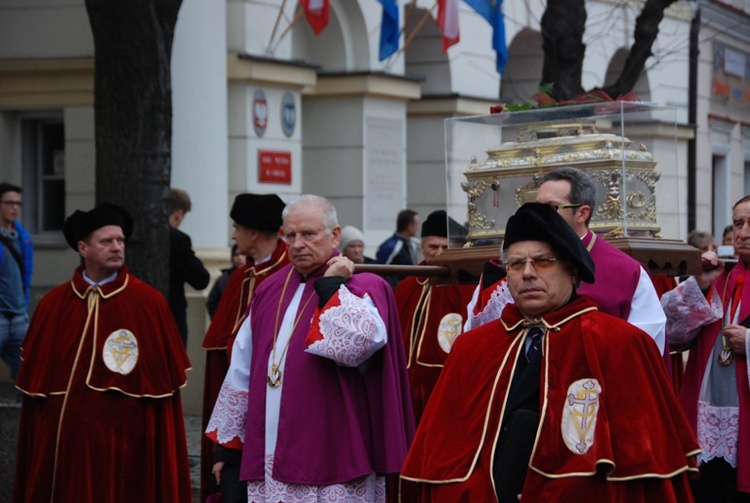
[(642, 446), (424, 356), (121, 436), (230, 313)]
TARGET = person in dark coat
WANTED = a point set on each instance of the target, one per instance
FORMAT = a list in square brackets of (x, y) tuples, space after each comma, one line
[(184, 266)]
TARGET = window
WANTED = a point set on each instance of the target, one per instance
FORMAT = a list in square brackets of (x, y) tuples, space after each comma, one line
[(43, 161)]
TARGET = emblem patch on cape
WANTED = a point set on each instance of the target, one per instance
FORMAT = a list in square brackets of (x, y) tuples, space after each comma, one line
[(579, 415), (450, 327), (120, 352)]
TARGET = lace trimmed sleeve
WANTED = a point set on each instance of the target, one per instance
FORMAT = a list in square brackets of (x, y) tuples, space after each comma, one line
[(348, 330), (688, 309)]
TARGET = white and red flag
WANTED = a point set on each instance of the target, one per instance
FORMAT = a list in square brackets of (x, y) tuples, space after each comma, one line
[(448, 22), (317, 13)]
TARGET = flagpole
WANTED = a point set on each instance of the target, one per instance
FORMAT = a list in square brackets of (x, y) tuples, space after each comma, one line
[(276, 26), (417, 28), (408, 15), (297, 16)]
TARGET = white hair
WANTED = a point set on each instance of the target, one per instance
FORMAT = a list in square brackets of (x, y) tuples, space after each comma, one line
[(330, 219)]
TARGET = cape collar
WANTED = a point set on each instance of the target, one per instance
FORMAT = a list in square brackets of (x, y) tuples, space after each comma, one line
[(513, 320), (277, 258), (81, 286)]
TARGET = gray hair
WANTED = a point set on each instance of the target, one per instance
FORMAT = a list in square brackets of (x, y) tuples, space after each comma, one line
[(582, 186), (330, 219)]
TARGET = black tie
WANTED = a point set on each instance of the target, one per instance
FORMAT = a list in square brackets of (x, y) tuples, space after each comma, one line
[(534, 351)]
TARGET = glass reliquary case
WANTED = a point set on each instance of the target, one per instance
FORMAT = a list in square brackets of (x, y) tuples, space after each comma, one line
[(496, 162)]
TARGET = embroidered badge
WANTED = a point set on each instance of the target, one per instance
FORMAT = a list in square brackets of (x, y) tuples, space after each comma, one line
[(450, 327), (120, 352), (579, 415)]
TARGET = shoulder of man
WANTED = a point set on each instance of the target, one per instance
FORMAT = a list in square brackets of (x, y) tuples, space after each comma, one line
[(22, 232)]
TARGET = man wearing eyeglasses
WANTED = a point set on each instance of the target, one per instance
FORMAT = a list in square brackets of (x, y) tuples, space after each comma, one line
[(554, 401), (622, 288), (16, 266)]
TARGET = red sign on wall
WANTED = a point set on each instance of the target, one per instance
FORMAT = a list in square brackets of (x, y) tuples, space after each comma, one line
[(274, 167)]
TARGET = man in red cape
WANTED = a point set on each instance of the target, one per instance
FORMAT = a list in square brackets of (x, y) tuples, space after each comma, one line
[(431, 319), (554, 401), (103, 363), (257, 219), (431, 316)]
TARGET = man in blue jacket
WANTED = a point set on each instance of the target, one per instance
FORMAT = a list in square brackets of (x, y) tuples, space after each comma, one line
[(16, 265)]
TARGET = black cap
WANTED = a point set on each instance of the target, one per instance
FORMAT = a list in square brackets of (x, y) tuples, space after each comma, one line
[(82, 223), (541, 222), (258, 211), (437, 225)]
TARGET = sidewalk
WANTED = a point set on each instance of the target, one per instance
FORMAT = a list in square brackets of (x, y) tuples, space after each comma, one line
[(9, 434)]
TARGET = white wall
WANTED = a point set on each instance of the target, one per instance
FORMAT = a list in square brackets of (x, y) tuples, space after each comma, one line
[(199, 120)]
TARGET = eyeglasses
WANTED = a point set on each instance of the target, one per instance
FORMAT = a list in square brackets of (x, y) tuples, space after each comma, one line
[(12, 203), (518, 265), (559, 207)]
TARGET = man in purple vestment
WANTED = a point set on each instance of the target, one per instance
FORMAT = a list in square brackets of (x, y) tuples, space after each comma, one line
[(327, 411), (622, 287)]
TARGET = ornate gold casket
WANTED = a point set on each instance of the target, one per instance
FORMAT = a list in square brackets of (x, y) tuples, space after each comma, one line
[(514, 170), (620, 144)]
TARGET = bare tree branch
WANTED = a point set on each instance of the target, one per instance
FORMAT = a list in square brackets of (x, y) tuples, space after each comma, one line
[(646, 31)]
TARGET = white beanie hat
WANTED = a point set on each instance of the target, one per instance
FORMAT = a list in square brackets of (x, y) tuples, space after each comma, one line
[(349, 234)]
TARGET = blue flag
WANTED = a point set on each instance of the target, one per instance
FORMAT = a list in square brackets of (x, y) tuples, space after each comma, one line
[(389, 31), (492, 11)]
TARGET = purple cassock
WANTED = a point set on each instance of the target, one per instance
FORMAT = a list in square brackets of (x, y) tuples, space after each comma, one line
[(335, 423), (617, 275)]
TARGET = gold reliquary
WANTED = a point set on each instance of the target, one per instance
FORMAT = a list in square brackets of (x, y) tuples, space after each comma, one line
[(496, 162), (512, 172)]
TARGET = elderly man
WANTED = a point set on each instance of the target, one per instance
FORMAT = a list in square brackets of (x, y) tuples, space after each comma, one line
[(103, 363), (327, 410), (622, 287), (257, 220), (555, 401), (711, 313)]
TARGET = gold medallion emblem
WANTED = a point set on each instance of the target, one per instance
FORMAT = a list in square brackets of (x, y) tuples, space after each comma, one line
[(120, 351), (579, 415), (449, 329)]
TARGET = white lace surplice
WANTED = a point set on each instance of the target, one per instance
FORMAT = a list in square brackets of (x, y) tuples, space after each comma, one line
[(717, 424), (352, 333), (230, 412), (718, 406), (369, 489)]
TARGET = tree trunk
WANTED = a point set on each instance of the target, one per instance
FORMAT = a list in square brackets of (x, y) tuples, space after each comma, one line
[(562, 26), (133, 120), (646, 31)]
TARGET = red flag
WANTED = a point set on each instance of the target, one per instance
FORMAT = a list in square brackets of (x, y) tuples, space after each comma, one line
[(448, 22), (317, 13)]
